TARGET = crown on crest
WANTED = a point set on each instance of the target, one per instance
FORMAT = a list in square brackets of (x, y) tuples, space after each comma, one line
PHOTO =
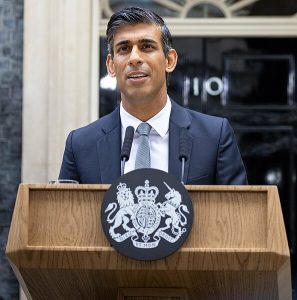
[(146, 193), (122, 189)]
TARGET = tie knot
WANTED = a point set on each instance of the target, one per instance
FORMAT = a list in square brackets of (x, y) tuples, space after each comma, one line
[(144, 129)]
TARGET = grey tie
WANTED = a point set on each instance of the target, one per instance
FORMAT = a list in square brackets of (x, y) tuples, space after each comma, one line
[(143, 157)]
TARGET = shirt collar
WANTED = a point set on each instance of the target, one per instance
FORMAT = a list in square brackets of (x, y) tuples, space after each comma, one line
[(159, 122)]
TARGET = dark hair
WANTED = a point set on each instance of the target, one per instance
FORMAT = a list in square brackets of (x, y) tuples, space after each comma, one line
[(133, 16)]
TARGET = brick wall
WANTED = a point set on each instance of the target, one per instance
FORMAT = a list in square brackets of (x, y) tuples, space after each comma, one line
[(11, 55)]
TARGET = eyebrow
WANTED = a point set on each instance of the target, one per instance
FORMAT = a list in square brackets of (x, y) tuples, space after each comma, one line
[(147, 41), (125, 42)]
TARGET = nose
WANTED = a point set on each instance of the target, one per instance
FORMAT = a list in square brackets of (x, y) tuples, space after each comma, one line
[(135, 57)]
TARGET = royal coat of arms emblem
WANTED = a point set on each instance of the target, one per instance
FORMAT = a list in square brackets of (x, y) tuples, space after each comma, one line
[(147, 215)]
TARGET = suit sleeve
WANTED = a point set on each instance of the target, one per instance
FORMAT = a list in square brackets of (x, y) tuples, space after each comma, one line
[(68, 167), (230, 167)]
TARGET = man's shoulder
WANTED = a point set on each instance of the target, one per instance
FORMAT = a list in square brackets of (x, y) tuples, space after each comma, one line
[(197, 118), (99, 127), (204, 117)]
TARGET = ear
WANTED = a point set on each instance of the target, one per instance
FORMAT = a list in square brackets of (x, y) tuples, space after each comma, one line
[(171, 60), (110, 66)]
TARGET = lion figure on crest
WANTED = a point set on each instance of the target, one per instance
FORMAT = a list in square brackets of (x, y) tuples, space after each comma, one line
[(125, 200)]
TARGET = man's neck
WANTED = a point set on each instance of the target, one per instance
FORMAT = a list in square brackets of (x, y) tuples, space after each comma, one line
[(144, 110)]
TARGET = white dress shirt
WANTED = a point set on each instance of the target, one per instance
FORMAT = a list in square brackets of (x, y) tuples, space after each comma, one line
[(158, 138)]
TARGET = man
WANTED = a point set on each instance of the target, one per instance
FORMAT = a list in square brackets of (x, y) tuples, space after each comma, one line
[(141, 57)]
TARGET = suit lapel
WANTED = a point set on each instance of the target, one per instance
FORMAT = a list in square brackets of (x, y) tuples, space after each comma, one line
[(178, 118), (109, 147)]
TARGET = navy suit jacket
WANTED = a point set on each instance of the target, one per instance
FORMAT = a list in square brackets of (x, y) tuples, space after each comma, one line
[(92, 153)]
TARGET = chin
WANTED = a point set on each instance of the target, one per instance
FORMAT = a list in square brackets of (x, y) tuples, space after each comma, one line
[(138, 96)]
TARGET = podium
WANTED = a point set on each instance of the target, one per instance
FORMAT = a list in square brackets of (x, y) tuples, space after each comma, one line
[(237, 248)]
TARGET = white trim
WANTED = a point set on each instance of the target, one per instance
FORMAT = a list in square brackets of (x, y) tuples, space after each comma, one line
[(228, 9), (219, 4), (239, 5), (170, 4), (231, 27)]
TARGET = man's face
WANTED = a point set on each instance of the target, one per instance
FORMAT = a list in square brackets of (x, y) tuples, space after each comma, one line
[(139, 63)]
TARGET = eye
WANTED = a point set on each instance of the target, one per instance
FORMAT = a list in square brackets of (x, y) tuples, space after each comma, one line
[(123, 49), (148, 46)]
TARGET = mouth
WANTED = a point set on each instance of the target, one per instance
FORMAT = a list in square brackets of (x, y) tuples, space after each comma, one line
[(137, 76)]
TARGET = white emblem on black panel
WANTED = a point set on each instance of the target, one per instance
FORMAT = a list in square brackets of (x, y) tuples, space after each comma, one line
[(146, 221)]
